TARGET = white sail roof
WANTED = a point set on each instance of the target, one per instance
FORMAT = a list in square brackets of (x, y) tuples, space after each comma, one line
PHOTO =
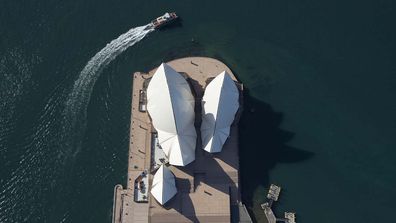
[(171, 107), (219, 105), (164, 186)]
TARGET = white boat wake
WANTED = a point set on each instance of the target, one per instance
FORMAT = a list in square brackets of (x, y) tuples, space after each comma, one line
[(77, 102)]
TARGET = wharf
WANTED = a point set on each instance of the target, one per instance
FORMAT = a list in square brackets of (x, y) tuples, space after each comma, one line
[(208, 188), (273, 195)]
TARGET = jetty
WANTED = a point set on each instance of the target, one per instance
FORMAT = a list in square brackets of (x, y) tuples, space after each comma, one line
[(272, 196), (208, 188)]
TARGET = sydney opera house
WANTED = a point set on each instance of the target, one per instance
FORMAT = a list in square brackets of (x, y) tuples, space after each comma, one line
[(170, 104), (184, 162)]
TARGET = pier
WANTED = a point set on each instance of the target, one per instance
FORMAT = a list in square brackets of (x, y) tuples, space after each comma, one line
[(272, 196), (208, 188)]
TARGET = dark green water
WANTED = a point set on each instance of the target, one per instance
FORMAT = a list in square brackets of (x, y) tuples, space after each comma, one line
[(319, 106)]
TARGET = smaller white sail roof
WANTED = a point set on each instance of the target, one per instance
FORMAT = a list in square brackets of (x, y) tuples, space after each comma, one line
[(164, 186), (170, 104), (219, 105)]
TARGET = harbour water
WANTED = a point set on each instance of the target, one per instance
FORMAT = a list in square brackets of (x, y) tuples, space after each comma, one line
[(320, 83)]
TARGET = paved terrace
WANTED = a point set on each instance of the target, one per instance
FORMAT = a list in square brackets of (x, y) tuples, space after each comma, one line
[(208, 187)]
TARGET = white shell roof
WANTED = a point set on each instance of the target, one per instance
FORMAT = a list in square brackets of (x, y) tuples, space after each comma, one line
[(164, 186), (171, 108), (219, 105)]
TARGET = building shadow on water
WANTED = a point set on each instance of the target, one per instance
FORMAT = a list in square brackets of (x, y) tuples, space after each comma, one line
[(263, 144)]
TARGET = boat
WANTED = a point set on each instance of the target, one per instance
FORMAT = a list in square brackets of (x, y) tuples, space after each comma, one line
[(164, 20)]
